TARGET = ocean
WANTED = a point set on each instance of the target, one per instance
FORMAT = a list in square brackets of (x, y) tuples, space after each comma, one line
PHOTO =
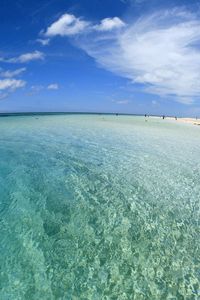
[(99, 207)]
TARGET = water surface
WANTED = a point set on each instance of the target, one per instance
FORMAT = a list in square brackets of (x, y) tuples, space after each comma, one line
[(99, 207)]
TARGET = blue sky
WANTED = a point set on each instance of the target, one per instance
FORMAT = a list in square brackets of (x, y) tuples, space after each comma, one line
[(130, 56)]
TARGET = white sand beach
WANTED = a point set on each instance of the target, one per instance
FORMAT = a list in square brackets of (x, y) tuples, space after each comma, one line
[(186, 120)]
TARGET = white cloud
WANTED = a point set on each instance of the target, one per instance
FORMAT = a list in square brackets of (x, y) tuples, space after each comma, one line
[(11, 84), (185, 100), (10, 74), (37, 88), (161, 52), (43, 42), (66, 25), (133, 1), (108, 24), (69, 25), (123, 101), (53, 86), (27, 57)]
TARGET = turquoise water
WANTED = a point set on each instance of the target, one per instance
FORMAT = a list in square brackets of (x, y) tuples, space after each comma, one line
[(99, 207)]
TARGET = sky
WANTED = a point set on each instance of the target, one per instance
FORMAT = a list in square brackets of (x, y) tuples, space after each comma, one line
[(125, 56)]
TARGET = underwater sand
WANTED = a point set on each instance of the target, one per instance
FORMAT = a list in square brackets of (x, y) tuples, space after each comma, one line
[(99, 207)]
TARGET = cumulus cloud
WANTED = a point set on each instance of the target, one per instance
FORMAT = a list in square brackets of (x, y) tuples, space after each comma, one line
[(108, 24), (66, 25), (10, 74), (11, 84), (69, 25), (53, 86), (27, 57)]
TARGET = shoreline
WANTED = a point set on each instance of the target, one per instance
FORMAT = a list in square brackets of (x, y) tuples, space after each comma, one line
[(186, 120), (193, 121)]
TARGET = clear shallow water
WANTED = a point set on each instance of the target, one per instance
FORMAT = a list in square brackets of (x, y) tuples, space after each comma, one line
[(99, 207)]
